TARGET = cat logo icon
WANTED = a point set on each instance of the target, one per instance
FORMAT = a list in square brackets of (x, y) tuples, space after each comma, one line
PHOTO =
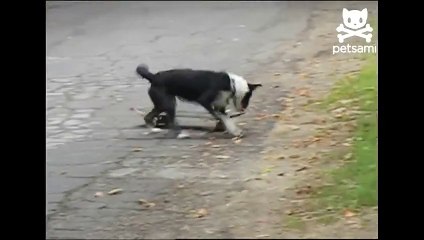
[(356, 25)]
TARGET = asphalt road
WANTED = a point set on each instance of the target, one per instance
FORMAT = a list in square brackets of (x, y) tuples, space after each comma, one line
[(93, 49)]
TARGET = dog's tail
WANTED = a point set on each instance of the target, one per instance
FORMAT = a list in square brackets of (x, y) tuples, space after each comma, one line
[(143, 71)]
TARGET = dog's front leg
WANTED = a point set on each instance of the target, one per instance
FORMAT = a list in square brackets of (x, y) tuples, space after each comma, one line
[(220, 127), (206, 101), (227, 121), (231, 126)]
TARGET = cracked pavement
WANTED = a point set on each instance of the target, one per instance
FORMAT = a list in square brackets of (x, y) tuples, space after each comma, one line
[(92, 51)]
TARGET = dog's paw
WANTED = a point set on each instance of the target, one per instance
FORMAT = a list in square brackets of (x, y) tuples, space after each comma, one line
[(237, 133), (183, 135), (156, 130)]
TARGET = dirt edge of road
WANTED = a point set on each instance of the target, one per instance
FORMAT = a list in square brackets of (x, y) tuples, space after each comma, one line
[(274, 194)]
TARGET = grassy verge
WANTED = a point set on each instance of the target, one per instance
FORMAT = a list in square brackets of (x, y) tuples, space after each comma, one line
[(354, 185)]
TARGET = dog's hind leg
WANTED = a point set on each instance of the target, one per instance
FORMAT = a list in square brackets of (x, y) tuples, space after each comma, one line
[(170, 109), (148, 119), (156, 96)]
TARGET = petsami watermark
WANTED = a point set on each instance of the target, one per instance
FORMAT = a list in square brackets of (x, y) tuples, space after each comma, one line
[(354, 25)]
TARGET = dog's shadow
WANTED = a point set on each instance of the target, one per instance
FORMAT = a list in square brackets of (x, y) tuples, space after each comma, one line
[(184, 127), (208, 133)]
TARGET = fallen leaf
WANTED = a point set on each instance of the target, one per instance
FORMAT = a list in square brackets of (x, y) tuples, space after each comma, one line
[(318, 121), (297, 144), (267, 170), (304, 190), (205, 154), (146, 203), (294, 127), (303, 92), (150, 205), (295, 156), (186, 228), (281, 157), (200, 213), (99, 194), (260, 118), (102, 206), (115, 191), (206, 193), (281, 174), (222, 157), (262, 235), (301, 169), (237, 141), (303, 76), (255, 178), (348, 156), (289, 212), (339, 110), (348, 213), (137, 149), (277, 74)]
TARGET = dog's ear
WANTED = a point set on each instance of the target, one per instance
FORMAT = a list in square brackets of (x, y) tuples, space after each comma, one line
[(253, 86)]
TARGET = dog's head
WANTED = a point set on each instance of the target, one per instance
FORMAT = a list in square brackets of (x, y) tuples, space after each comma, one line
[(243, 91), (246, 98)]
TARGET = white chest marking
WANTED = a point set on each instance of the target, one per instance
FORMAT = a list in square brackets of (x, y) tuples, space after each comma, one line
[(222, 100)]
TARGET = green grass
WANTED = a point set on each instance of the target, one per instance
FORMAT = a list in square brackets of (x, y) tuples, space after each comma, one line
[(294, 222), (326, 219), (354, 185)]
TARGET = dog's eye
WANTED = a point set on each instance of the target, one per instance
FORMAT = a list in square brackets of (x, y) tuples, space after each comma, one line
[(360, 20), (348, 20)]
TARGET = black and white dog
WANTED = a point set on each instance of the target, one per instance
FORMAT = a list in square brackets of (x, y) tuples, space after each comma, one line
[(212, 90)]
